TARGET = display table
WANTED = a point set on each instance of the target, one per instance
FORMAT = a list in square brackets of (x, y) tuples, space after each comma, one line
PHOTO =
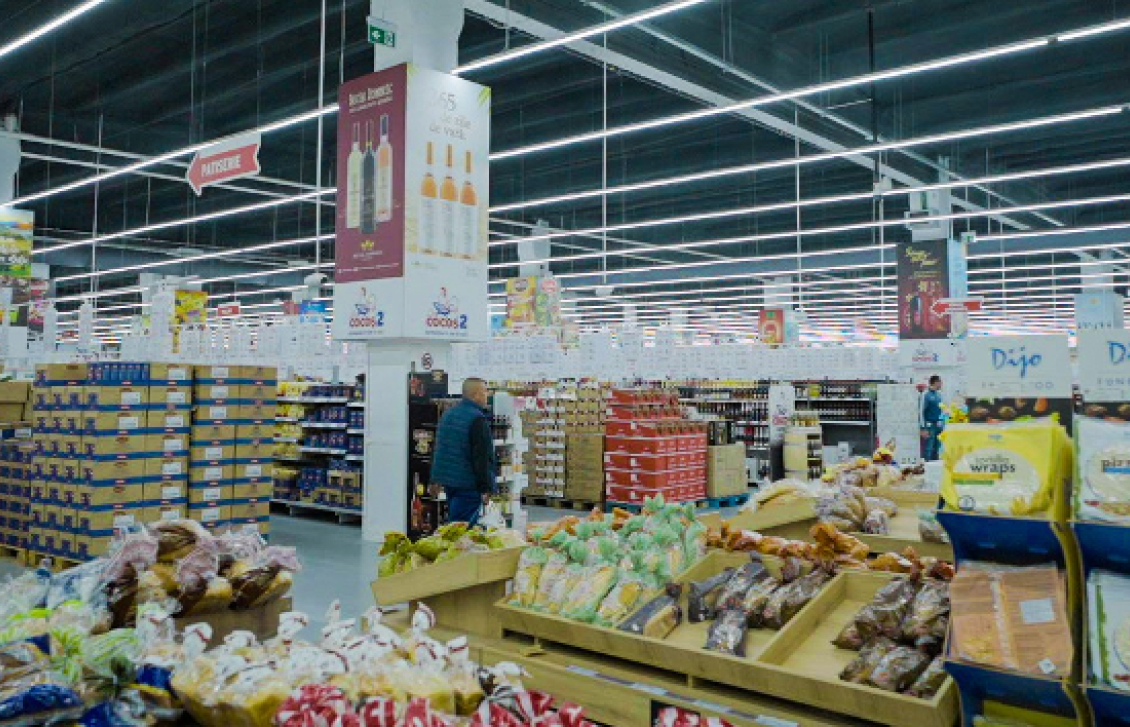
[(461, 592), (794, 521)]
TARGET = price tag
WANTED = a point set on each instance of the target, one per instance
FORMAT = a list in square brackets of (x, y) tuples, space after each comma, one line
[(581, 670), (648, 689), (219, 392), (1019, 366), (174, 421), (213, 452), (254, 470), (171, 468), (129, 422), (213, 473), (170, 492), (178, 397), (131, 398), (173, 445)]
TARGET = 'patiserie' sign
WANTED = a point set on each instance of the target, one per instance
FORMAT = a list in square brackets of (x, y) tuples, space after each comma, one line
[(1001, 366), (230, 160), (1104, 365)]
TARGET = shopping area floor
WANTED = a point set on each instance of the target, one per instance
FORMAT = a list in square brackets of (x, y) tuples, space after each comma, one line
[(336, 562)]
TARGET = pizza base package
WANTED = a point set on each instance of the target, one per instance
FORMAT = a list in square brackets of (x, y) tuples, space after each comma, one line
[(1103, 470), (1005, 469)]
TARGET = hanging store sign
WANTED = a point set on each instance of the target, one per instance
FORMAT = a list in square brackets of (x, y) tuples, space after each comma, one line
[(932, 274), (382, 32), (1019, 366), (411, 217), (1104, 365), (231, 310), (234, 159)]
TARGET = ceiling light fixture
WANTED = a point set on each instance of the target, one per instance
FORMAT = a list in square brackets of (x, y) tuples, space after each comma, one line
[(48, 27)]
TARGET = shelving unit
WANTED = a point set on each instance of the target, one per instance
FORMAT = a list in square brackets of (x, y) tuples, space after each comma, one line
[(313, 436)]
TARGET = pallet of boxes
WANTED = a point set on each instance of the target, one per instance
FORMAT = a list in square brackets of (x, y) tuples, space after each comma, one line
[(726, 471), (16, 450), (565, 460), (110, 447), (233, 420)]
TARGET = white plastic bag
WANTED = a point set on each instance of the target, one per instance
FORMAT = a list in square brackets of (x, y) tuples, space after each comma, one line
[(492, 516)]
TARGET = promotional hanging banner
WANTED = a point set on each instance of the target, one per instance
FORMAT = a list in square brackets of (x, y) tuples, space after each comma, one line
[(1019, 366), (411, 218), (930, 272), (225, 162)]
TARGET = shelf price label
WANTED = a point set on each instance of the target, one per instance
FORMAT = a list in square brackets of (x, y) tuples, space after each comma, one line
[(1104, 365), (1001, 366)]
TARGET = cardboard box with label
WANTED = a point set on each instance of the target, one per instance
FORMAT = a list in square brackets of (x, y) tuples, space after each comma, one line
[(253, 490), (266, 393), (257, 413), (209, 393), (170, 372), (212, 453), (252, 433), (171, 491), (253, 472), (14, 392), (215, 433), (162, 513), (211, 475), (217, 414), (114, 397), (167, 444), (215, 373), (168, 420), (257, 450), (96, 496), (104, 520), (62, 373), (726, 470), (111, 445), (118, 471), (113, 421), (215, 494), (250, 510), (166, 469), (208, 514), (170, 396)]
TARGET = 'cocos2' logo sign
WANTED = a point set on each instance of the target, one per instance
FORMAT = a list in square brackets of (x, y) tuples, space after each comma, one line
[(445, 314), (366, 315)]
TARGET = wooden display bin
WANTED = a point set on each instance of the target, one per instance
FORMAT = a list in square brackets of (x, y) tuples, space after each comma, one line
[(460, 591), (798, 663), (262, 621), (796, 519)]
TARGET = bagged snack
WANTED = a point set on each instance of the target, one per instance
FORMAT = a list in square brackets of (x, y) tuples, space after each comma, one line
[(756, 597), (861, 667), (930, 681), (176, 538), (884, 505), (1103, 470), (741, 580), (727, 633), (552, 572), (583, 601), (658, 617), (929, 529), (877, 522), (849, 638), (1108, 602), (788, 600), (898, 669), (1006, 469), (570, 580), (927, 620), (622, 598), (884, 615), (525, 586), (703, 595)]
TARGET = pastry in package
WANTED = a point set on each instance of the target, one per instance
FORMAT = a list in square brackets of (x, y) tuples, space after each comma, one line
[(658, 617), (525, 585), (1103, 470)]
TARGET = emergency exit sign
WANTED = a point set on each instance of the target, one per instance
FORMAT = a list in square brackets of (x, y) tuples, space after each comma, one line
[(382, 33)]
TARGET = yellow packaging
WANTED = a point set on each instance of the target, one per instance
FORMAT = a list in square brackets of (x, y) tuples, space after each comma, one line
[(1016, 469)]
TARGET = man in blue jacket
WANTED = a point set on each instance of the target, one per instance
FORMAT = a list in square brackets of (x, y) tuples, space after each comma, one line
[(464, 462), (932, 420)]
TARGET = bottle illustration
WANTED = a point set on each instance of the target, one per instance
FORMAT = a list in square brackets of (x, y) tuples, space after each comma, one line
[(449, 196), (429, 200), (353, 178), (369, 185), (469, 214), (384, 174)]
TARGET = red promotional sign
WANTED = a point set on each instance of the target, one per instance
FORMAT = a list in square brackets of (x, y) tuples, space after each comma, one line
[(224, 162), (227, 311), (947, 306)]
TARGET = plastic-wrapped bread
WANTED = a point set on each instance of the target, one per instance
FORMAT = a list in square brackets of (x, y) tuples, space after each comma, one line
[(861, 667), (930, 681), (525, 585), (898, 669), (727, 633), (702, 596)]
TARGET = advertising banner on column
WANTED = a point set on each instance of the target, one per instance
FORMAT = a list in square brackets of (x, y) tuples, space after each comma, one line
[(923, 279), (413, 189)]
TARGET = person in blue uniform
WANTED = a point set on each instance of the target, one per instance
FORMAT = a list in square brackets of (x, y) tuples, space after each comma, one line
[(932, 419), (464, 461)]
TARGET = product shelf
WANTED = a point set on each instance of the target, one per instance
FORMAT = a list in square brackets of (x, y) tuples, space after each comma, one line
[(323, 450), (985, 690), (313, 400), (355, 404), (1105, 546), (324, 425), (299, 505), (797, 663), (354, 431)]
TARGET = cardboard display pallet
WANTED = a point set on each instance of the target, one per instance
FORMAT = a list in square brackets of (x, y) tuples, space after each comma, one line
[(797, 663)]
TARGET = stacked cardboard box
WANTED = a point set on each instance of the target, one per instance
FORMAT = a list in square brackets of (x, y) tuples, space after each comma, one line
[(650, 449), (14, 402), (568, 413), (110, 450), (15, 472), (726, 470), (230, 479)]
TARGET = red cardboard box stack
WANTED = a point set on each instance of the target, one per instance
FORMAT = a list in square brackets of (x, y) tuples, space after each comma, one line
[(651, 449)]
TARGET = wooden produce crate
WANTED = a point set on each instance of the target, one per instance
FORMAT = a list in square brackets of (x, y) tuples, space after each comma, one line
[(767, 668), (262, 621), (460, 591)]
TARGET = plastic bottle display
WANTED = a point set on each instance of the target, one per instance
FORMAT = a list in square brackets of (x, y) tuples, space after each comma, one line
[(384, 174), (353, 196), (469, 214), (449, 202), (429, 200)]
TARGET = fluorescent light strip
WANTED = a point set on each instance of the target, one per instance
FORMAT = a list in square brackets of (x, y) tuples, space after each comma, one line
[(1048, 233), (204, 256), (815, 158), (48, 27), (784, 206), (894, 73), (607, 27), (186, 221), (169, 156)]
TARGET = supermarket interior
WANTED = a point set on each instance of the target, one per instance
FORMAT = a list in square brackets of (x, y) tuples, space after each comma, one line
[(564, 363)]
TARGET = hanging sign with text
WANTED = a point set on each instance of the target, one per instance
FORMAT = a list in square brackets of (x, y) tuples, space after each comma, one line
[(1002, 366)]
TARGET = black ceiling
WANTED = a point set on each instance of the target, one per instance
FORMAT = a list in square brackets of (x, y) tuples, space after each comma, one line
[(146, 77)]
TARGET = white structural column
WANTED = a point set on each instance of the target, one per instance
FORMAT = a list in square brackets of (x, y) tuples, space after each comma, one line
[(427, 34), (9, 160)]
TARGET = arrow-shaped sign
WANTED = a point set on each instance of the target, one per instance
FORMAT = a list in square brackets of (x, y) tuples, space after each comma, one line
[(224, 162), (948, 306)]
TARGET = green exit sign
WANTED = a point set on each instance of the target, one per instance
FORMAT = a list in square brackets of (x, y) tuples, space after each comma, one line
[(379, 35)]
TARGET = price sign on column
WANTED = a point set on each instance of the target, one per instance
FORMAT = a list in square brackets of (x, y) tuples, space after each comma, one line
[(1104, 365), (1001, 366)]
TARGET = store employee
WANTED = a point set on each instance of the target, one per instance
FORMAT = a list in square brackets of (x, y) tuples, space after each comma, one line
[(932, 419), (464, 462)]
